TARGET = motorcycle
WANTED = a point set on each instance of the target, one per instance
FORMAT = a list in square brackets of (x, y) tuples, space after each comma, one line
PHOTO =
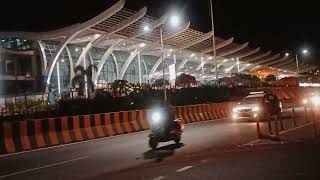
[(164, 127)]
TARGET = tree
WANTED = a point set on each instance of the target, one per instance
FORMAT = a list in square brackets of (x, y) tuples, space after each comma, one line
[(185, 80), (82, 77), (270, 78), (159, 82), (121, 86)]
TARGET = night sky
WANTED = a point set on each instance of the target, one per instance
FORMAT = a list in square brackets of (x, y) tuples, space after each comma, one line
[(275, 25)]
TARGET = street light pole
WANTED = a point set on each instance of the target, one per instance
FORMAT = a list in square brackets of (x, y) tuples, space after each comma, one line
[(238, 66), (213, 41), (297, 62), (163, 67)]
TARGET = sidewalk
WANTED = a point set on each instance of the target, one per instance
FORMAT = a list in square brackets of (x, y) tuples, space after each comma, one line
[(301, 134)]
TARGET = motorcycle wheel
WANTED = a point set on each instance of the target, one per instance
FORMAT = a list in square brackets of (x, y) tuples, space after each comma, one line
[(153, 143), (177, 139)]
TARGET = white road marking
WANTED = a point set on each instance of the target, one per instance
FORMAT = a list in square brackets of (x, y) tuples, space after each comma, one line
[(42, 167), (250, 143), (183, 169), (281, 132), (204, 160), (159, 178), (295, 128)]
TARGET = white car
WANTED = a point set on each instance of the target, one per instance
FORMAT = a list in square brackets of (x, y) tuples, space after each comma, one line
[(257, 105), (312, 101)]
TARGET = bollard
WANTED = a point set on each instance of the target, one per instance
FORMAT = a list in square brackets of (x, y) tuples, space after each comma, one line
[(276, 124), (294, 118), (314, 122), (306, 114), (258, 127), (269, 125)]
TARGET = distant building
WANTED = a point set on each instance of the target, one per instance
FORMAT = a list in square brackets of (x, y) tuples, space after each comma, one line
[(20, 68)]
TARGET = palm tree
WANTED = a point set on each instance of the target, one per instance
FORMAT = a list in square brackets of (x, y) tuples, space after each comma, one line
[(79, 79)]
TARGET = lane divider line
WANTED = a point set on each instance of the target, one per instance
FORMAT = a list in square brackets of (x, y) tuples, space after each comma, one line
[(184, 169), (43, 167), (159, 178)]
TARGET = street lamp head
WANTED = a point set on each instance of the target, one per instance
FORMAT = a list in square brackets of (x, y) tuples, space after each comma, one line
[(146, 28), (174, 20), (305, 51)]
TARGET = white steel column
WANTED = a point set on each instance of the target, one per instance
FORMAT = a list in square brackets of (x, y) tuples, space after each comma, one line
[(213, 41), (238, 66), (58, 77), (139, 67), (202, 70), (175, 66)]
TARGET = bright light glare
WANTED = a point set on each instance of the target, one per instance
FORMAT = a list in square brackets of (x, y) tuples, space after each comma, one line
[(287, 54), (316, 100), (142, 45), (146, 28), (305, 51), (305, 101), (256, 109), (156, 116), (174, 20), (235, 109), (234, 116), (192, 55)]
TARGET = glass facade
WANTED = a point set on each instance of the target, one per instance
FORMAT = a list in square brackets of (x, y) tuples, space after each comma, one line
[(15, 43), (108, 72)]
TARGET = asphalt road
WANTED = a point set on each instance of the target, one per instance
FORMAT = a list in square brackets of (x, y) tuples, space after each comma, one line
[(97, 159)]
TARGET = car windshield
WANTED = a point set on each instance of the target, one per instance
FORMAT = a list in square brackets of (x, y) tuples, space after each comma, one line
[(251, 100)]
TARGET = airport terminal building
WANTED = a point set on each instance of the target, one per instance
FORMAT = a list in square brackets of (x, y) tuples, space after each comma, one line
[(126, 45)]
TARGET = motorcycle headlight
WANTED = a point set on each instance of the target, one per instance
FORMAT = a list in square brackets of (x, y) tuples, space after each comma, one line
[(304, 101), (255, 109), (156, 117)]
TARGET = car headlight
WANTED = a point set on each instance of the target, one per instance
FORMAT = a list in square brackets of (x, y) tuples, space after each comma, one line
[(156, 117), (235, 110), (315, 100), (256, 109), (304, 101)]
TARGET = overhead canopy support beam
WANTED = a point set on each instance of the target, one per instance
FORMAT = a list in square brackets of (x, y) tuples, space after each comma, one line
[(197, 41), (219, 46), (184, 61), (249, 53), (257, 57), (167, 36), (156, 65), (284, 63), (134, 18), (261, 61), (80, 28), (234, 50), (105, 56), (64, 32), (276, 61)]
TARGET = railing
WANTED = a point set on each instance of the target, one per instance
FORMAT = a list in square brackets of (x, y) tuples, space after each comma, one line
[(23, 104)]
